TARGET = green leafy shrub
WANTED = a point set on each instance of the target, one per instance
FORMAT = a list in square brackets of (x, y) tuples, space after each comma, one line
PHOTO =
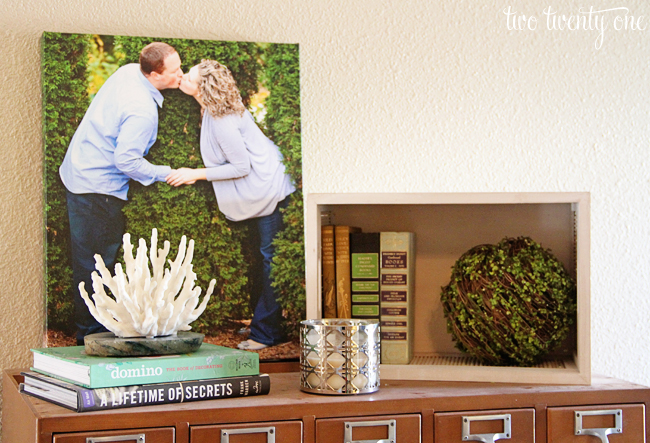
[(282, 78), (510, 303), (103, 61), (65, 99)]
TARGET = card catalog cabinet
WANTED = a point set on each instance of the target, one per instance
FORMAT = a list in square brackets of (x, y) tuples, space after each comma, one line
[(607, 411)]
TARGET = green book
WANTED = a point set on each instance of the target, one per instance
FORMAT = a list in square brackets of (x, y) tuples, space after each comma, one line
[(364, 270), (211, 361)]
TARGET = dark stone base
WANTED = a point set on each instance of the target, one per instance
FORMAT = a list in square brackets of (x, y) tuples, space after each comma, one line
[(106, 344)]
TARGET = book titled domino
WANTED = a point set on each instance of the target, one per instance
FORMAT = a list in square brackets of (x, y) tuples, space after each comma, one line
[(210, 361)]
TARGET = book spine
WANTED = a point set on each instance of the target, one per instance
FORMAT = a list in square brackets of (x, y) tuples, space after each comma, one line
[(185, 367), (396, 297), (343, 281), (181, 392), (364, 271), (167, 393), (328, 261)]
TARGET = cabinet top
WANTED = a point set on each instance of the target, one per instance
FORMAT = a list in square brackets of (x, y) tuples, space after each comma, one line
[(287, 402)]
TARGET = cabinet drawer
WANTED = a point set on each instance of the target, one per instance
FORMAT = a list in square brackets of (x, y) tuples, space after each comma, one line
[(153, 435), (513, 425), (597, 424), (267, 432), (385, 429)]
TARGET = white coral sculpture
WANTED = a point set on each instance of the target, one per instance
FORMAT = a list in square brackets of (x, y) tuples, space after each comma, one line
[(147, 305)]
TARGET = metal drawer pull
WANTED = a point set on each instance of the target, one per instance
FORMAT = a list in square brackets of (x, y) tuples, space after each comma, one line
[(601, 433), (270, 433), (392, 430), (138, 438), (487, 438)]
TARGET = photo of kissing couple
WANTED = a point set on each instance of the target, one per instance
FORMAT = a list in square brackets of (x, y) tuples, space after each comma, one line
[(189, 137)]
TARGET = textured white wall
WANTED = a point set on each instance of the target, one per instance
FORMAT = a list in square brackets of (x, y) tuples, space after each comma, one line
[(419, 96)]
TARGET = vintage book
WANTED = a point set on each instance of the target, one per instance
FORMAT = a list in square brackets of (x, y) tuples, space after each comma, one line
[(210, 361), (364, 272), (81, 399), (397, 261), (328, 261), (343, 280)]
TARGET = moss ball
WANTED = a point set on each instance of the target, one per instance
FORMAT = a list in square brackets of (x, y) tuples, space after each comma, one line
[(509, 304)]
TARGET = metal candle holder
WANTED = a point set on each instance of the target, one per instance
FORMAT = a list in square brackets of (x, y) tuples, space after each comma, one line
[(339, 356)]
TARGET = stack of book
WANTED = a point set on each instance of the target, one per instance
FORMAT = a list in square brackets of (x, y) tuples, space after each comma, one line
[(68, 377), (370, 275)]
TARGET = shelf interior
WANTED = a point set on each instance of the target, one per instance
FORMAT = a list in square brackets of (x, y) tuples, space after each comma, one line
[(444, 232)]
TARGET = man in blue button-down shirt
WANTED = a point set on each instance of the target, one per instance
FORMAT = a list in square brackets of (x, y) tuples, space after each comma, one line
[(105, 153)]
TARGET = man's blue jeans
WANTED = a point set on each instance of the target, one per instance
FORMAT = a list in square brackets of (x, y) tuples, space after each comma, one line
[(96, 227), (267, 316)]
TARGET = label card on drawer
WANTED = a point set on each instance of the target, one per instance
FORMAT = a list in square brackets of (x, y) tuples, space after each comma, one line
[(371, 431)]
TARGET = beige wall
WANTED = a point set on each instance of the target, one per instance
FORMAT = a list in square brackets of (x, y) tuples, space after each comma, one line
[(398, 96)]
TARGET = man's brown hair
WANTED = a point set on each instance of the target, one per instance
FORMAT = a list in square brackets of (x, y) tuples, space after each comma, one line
[(152, 57)]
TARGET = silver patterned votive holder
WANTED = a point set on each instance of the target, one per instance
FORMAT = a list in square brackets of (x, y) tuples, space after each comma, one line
[(339, 356)]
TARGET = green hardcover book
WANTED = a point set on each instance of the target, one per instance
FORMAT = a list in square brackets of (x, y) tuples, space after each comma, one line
[(73, 365), (397, 271), (364, 270)]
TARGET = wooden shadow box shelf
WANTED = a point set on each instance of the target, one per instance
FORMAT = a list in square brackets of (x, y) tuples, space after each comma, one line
[(446, 225), (401, 411)]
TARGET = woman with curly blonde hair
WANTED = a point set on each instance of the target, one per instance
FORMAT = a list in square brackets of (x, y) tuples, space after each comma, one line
[(249, 179), (217, 90)]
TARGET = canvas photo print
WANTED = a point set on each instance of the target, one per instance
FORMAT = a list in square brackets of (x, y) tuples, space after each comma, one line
[(191, 138)]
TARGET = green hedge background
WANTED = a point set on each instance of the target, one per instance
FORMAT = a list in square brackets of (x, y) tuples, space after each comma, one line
[(73, 68)]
